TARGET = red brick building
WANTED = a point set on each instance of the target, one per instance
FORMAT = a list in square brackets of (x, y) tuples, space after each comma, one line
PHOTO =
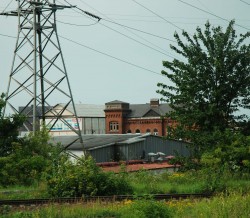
[(122, 117)]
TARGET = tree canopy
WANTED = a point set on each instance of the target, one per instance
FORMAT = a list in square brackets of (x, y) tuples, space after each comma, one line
[(212, 83), (9, 126)]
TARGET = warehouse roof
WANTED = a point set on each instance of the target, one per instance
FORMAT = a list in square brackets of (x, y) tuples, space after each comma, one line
[(87, 110), (95, 141)]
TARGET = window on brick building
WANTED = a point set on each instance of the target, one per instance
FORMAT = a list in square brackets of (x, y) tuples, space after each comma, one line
[(129, 131), (113, 126), (137, 131), (148, 131), (156, 132)]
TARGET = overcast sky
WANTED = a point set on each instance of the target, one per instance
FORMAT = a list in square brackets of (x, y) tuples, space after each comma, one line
[(96, 78)]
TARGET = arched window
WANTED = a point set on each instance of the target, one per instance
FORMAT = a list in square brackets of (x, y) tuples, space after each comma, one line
[(129, 131), (155, 131), (148, 131), (137, 131), (113, 126)]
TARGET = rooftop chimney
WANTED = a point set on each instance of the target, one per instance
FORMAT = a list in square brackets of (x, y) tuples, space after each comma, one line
[(154, 102)]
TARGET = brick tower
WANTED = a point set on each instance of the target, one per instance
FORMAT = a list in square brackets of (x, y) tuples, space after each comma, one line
[(115, 112)]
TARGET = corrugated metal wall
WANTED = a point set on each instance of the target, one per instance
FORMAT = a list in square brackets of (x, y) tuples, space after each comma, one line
[(169, 147), (139, 150), (134, 151), (105, 154)]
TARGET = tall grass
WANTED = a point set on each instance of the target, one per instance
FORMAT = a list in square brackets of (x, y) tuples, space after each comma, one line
[(143, 182), (38, 190), (233, 205)]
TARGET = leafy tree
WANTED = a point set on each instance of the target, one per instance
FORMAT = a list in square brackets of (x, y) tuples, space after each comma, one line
[(29, 160), (22, 160), (8, 129), (212, 83), (231, 153)]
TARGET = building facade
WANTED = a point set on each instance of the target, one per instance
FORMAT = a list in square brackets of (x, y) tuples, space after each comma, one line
[(124, 118), (91, 119), (116, 117)]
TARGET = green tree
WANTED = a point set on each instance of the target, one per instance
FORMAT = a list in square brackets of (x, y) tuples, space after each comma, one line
[(29, 160), (23, 160), (213, 80), (9, 126)]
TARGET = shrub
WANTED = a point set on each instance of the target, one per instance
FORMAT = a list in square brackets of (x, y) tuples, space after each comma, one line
[(149, 208), (84, 178), (28, 160), (231, 153)]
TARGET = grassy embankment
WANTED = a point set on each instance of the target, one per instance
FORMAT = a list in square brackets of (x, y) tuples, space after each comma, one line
[(232, 198)]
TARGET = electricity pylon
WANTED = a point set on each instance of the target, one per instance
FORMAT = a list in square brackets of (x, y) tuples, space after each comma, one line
[(38, 74)]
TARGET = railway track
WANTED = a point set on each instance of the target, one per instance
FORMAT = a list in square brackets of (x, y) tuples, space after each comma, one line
[(101, 198)]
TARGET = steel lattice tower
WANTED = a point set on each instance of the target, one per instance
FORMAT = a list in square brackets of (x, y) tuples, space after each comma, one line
[(38, 74)]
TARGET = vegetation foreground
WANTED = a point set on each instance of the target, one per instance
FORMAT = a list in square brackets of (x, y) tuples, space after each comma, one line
[(207, 90), (231, 205), (231, 198)]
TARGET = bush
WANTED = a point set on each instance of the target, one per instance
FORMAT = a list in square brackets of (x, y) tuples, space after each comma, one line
[(149, 208), (84, 178), (231, 153), (28, 160)]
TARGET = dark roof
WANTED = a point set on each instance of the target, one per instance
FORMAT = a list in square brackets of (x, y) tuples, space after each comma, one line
[(116, 102), (140, 110), (95, 141), (29, 110), (88, 110)]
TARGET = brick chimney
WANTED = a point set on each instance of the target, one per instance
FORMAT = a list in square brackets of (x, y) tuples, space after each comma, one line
[(154, 102)]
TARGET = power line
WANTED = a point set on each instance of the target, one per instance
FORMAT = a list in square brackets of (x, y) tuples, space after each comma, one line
[(245, 2), (127, 29), (139, 30), (111, 21), (158, 15), (126, 35), (203, 5), (130, 39), (207, 12), (7, 36), (110, 56), (85, 12), (72, 24), (136, 40), (7, 6)]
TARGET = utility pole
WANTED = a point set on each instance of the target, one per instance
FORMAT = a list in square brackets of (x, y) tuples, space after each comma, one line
[(38, 74)]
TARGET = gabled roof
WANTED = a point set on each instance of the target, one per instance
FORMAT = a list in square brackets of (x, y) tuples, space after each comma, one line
[(141, 110), (29, 110)]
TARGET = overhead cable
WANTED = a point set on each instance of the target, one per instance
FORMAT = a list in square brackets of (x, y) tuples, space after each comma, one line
[(245, 2), (72, 24), (164, 53), (108, 55), (127, 29), (210, 14), (85, 12), (7, 36), (7, 6), (138, 30), (158, 15)]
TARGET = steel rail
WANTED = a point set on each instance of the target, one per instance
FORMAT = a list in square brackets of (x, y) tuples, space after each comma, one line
[(41, 201)]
